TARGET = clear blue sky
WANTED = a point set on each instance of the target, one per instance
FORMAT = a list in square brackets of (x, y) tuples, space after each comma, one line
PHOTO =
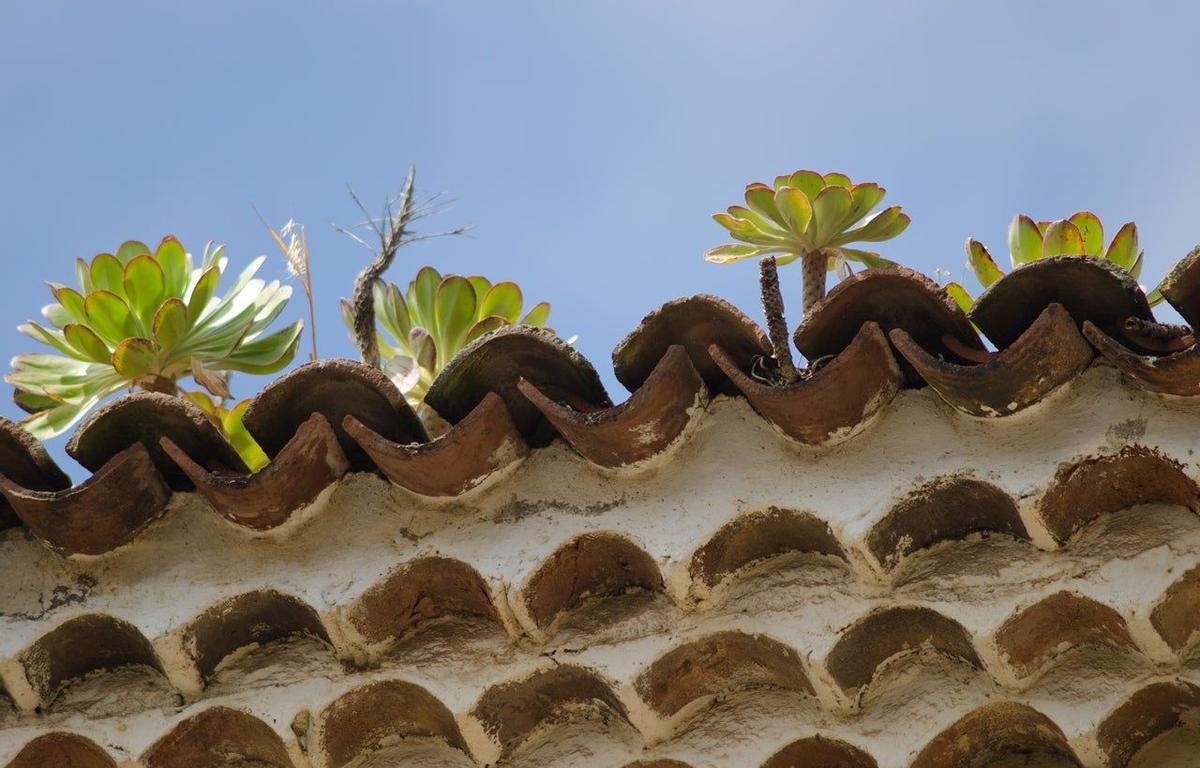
[(586, 143)]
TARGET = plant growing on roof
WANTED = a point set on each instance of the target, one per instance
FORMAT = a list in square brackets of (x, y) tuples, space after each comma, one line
[(811, 217), (146, 319)]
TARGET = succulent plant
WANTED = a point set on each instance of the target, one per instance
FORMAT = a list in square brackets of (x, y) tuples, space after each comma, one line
[(146, 319), (228, 419), (812, 217), (421, 329)]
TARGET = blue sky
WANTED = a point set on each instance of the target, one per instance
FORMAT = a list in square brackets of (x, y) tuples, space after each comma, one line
[(585, 143)]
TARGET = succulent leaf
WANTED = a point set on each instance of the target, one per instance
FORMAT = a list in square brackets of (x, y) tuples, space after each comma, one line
[(795, 207), (982, 264), (85, 340), (830, 211), (1024, 240), (1123, 249), (1092, 230), (960, 296), (1062, 238)]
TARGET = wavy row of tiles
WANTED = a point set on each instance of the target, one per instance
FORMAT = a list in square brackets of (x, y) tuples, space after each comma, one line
[(519, 388)]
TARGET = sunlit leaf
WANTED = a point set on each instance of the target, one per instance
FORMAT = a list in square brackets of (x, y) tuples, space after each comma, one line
[(1024, 240)]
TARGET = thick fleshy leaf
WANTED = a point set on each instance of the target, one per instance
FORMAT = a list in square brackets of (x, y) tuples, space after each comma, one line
[(809, 182), (109, 316), (83, 276), (730, 252), (503, 300), (762, 223), (866, 258), (481, 285), (202, 293), (56, 314), (54, 421), (172, 257), (135, 357), (1136, 270), (55, 339), (267, 354), (454, 309), (830, 210), (129, 249), (1062, 238), (796, 209), (239, 437), (1123, 249), (107, 273), (1024, 240), (87, 342), (960, 296), (144, 286), (422, 292), (866, 196), (761, 199), (391, 310), (486, 325), (538, 315), (72, 302), (884, 225), (170, 324), (32, 402), (982, 263), (838, 180), (1092, 230), (423, 347)]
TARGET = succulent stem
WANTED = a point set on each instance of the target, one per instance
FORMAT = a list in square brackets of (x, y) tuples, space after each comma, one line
[(814, 264), (772, 301), (161, 384)]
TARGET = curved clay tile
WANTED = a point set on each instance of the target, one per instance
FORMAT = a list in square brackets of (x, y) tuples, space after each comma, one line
[(1181, 287), (24, 461), (658, 764), (994, 732), (1033, 636), (101, 513), (145, 417), (1047, 355), (719, 664), (81, 645), (820, 751), (496, 361), (1090, 289), (641, 427), (219, 737), (509, 712), (1087, 489), (61, 750), (255, 617), (892, 297), (830, 403), (758, 536), (590, 565), (306, 465), (1150, 712), (695, 323), (450, 464), (889, 632), (332, 388), (378, 714), (1177, 615), (943, 509), (1174, 374), (419, 591)]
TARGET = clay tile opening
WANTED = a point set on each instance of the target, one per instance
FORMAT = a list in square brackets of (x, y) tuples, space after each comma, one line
[(1035, 635), (145, 417), (219, 737), (25, 462), (641, 427), (258, 617), (378, 714), (332, 388), (417, 592), (498, 360), (892, 297), (306, 465), (829, 404), (101, 513), (62, 750), (81, 645), (1177, 615), (995, 732), (1085, 490), (944, 509), (890, 632), (1089, 289), (590, 565), (758, 536), (453, 463), (1152, 711), (695, 323), (1050, 353), (509, 712), (719, 664), (1173, 374), (820, 751), (1181, 287)]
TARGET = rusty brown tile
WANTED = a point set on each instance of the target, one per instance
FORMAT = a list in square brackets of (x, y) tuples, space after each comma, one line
[(820, 751), (758, 536), (376, 714), (509, 712), (1090, 289), (943, 509), (720, 664), (484, 442), (590, 565), (891, 297), (1151, 712), (495, 363), (145, 417), (24, 461), (829, 404), (1174, 374), (334, 389), (997, 731), (695, 323), (1036, 634), (101, 513), (1177, 615), (1048, 354), (258, 617), (1084, 490), (61, 750), (81, 645), (888, 632), (1181, 287), (305, 466), (641, 427), (219, 737)]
